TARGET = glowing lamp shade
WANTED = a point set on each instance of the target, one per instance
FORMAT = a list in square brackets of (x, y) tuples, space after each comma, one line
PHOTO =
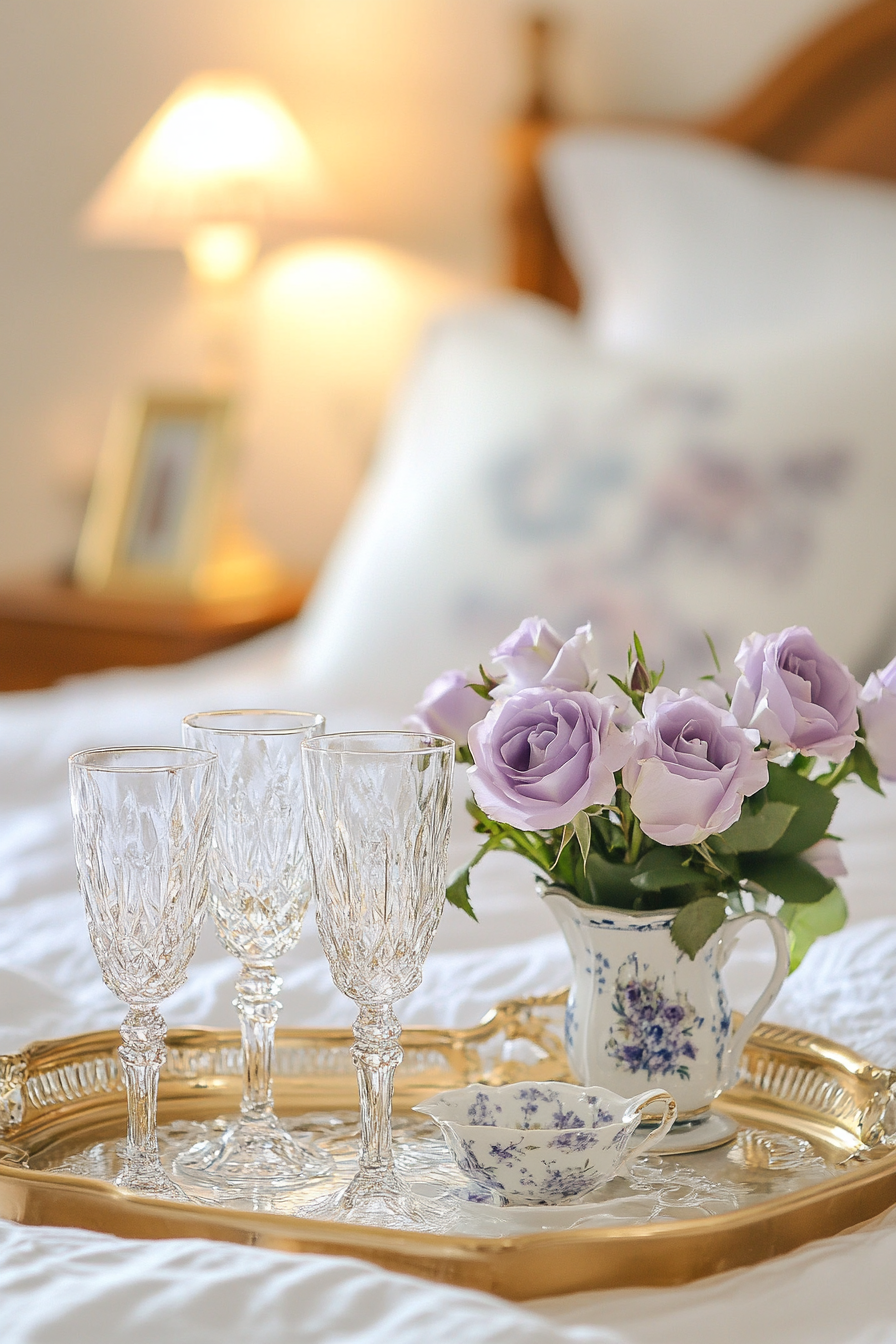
[(220, 160)]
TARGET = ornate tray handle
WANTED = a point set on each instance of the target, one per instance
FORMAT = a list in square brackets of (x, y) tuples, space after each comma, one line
[(13, 1069), (810, 1076)]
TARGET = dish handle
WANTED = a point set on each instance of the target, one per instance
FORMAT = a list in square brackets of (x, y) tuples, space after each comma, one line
[(634, 1112)]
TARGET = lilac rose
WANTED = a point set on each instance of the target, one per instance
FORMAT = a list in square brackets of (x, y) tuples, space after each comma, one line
[(690, 769), (878, 705), (797, 696), (448, 708), (543, 755), (535, 655), (709, 690)]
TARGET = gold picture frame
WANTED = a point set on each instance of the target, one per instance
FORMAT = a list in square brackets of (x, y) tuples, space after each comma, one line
[(160, 516)]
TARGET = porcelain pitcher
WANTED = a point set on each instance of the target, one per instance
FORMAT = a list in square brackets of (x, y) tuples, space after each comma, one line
[(642, 1013)]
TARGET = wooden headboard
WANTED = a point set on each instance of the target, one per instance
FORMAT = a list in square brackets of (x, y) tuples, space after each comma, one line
[(831, 105)]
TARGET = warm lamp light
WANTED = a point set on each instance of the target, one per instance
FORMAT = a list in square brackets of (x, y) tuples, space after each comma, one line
[(220, 161), (219, 254)]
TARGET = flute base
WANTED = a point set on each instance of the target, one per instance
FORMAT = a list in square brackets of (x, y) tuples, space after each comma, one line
[(252, 1154), (141, 1177), (381, 1200), (143, 1173)]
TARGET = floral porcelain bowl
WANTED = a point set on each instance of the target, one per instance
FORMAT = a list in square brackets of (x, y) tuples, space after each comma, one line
[(544, 1143)]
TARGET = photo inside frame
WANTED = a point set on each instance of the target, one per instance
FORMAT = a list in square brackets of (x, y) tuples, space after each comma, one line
[(170, 457)]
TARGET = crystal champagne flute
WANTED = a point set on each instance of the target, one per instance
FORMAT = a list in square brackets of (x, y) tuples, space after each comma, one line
[(260, 891), (142, 826), (378, 813)]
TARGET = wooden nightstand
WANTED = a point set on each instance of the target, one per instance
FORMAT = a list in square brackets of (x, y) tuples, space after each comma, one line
[(50, 630)]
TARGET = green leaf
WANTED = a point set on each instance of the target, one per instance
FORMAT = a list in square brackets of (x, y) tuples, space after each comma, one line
[(568, 871), (458, 890), (664, 879), (610, 883), (662, 868), (696, 923), (621, 684), (568, 832), (728, 863), (659, 880), (486, 686), (582, 827), (863, 764), (815, 807), (712, 648), (477, 813), (792, 879), (756, 830), (808, 922), (611, 835)]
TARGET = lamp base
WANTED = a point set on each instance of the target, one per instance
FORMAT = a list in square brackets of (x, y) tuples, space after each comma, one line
[(238, 566)]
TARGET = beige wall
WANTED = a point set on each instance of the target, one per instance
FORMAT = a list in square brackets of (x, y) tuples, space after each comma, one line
[(401, 98)]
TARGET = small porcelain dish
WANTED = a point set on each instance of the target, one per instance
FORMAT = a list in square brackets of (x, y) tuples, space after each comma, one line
[(545, 1143)]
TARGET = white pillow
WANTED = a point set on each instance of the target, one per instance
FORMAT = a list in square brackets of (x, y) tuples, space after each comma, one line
[(679, 238), (729, 490)]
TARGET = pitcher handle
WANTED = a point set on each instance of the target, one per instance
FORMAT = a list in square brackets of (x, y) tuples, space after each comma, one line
[(731, 931), (635, 1110)]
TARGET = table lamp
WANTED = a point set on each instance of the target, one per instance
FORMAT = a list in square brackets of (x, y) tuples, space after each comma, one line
[(220, 163)]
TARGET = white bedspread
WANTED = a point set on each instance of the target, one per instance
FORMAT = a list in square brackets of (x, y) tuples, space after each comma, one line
[(61, 1287)]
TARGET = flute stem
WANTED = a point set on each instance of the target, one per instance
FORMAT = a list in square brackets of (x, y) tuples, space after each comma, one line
[(142, 1054), (258, 1007), (376, 1055)]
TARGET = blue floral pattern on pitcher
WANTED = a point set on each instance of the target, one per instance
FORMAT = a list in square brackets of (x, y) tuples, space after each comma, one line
[(654, 1029), (599, 967), (662, 1017)]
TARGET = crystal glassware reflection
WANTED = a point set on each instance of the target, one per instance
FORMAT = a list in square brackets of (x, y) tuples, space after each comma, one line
[(378, 813), (260, 891), (142, 826)]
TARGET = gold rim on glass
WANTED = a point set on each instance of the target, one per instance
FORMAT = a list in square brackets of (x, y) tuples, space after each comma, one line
[(381, 741), (209, 721), (102, 758)]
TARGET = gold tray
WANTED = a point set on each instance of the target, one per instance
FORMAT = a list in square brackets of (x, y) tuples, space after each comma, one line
[(62, 1094)]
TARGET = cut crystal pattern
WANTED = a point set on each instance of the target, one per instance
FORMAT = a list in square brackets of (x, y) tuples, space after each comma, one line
[(260, 892), (378, 835), (141, 839), (377, 818), (260, 878), (142, 826)]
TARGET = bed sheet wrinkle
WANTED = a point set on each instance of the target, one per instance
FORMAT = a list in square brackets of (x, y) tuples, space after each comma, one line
[(30, 1007), (838, 1291), (26, 830), (844, 990), (70, 1287)]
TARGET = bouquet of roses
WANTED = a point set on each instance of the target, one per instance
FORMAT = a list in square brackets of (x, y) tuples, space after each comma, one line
[(643, 798)]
